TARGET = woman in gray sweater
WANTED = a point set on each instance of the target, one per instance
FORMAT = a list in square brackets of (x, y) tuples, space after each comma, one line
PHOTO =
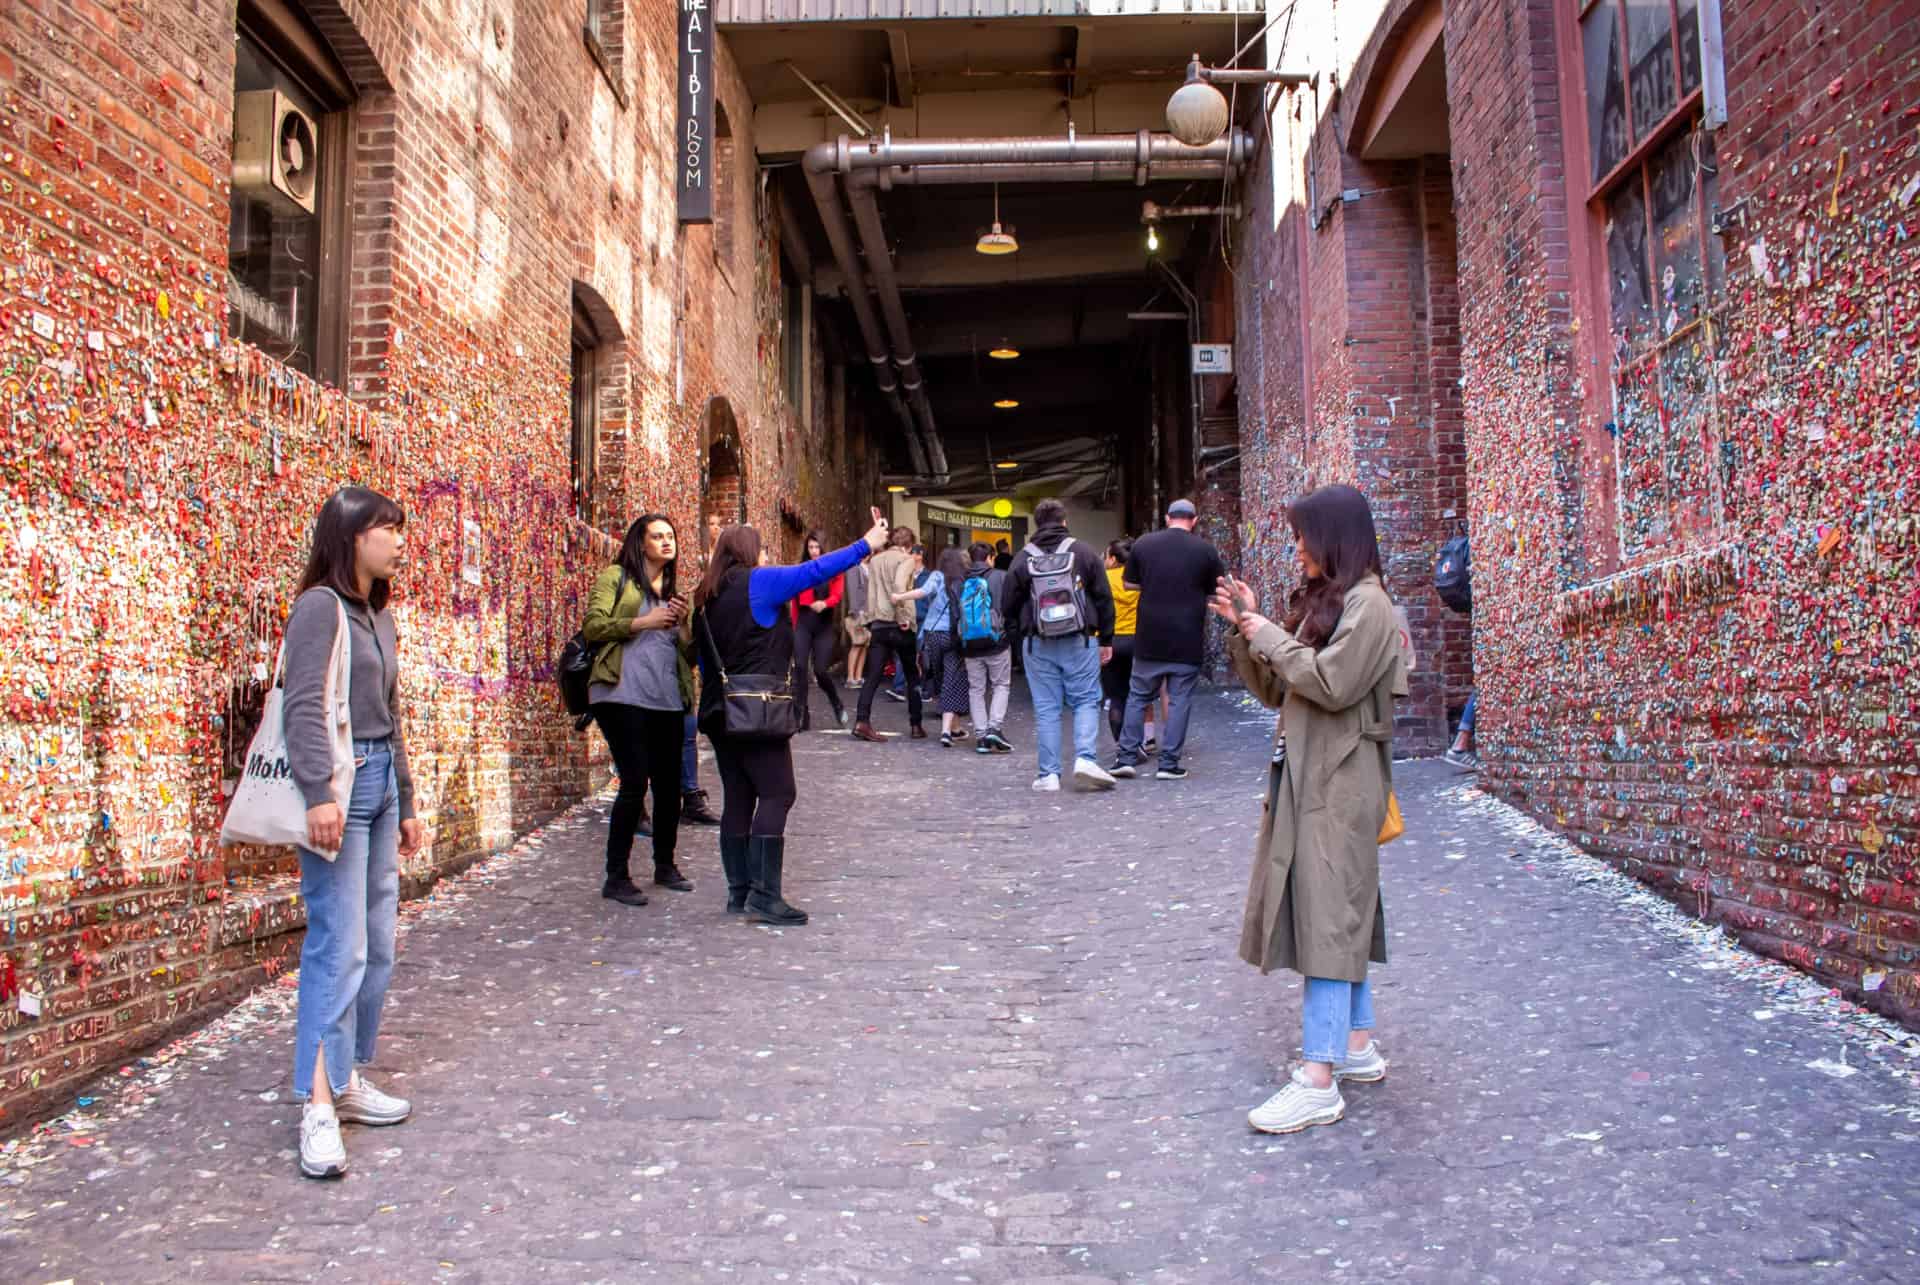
[(350, 877)]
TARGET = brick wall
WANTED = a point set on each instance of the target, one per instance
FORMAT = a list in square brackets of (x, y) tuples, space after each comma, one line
[(1730, 715), (158, 480)]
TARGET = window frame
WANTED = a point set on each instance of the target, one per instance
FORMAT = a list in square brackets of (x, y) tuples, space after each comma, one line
[(304, 56), (608, 55), (1618, 362), (585, 344)]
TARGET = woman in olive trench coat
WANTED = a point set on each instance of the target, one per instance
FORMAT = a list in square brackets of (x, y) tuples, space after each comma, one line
[(1313, 903)]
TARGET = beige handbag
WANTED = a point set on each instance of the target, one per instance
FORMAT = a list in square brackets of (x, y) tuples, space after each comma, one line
[(268, 807)]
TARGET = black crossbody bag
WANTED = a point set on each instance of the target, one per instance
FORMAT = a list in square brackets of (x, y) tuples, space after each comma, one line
[(753, 707)]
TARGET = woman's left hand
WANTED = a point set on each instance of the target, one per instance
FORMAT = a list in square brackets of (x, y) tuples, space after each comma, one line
[(412, 835), (1251, 623)]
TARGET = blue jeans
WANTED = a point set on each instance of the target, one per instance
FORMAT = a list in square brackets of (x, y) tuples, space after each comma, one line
[(352, 904), (1064, 672), (1330, 1011), (689, 758), (1143, 688), (1466, 715)]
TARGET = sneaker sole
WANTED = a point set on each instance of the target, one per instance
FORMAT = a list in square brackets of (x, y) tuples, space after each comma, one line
[(1091, 784), (330, 1171), (1338, 1115), (372, 1121), (1371, 1077)]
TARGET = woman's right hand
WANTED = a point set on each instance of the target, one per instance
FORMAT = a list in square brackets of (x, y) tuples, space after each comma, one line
[(324, 827), (665, 616), (876, 536)]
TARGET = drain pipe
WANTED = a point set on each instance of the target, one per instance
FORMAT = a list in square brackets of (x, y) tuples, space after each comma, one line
[(827, 200), (873, 243)]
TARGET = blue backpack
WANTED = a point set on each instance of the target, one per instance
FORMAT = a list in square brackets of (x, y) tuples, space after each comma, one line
[(979, 622)]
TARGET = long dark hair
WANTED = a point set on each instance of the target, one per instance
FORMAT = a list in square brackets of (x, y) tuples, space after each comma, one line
[(633, 556), (952, 567), (815, 536), (330, 565), (738, 546), (1336, 526)]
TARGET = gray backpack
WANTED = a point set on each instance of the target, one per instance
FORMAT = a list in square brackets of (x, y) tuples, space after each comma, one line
[(1059, 599)]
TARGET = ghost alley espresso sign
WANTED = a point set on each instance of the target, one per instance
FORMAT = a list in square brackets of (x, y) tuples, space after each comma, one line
[(694, 138)]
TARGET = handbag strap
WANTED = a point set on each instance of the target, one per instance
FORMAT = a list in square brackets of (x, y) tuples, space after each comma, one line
[(712, 646), (343, 649)]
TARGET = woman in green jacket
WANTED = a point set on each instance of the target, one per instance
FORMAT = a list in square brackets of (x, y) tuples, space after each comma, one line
[(640, 691), (1333, 668)]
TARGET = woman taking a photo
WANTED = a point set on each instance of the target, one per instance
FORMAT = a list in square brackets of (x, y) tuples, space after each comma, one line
[(945, 667), (1333, 668), (640, 690), (813, 639), (352, 896), (741, 627)]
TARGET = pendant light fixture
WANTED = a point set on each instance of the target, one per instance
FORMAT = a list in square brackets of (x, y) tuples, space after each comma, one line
[(998, 241), (1005, 352)]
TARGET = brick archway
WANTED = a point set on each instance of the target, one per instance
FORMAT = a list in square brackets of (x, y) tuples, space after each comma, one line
[(723, 470)]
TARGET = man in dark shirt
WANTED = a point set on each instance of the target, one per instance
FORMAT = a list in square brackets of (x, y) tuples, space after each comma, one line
[(1175, 572)]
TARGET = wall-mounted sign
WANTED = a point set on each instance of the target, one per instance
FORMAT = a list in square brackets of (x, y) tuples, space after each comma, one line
[(964, 520), (694, 140), (1213, 359)]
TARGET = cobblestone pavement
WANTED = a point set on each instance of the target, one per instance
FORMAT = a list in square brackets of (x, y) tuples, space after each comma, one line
[(1014, 1045)]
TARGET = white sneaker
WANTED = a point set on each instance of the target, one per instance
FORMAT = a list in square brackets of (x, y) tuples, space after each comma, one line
[(1298, 1106), (322, 1154), (364, 1104), (1363, 1067), (1047, 784), (1089, 775)]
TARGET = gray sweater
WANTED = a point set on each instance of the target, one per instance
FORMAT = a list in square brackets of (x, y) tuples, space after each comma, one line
[(375, 697)]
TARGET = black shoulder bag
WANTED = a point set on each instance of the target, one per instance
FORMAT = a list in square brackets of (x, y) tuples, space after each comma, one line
[(753, 707), (574, 672)]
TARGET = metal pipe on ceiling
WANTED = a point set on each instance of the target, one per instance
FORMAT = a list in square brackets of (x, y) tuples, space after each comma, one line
[(1140, 157), (827, 200), (873, 241)]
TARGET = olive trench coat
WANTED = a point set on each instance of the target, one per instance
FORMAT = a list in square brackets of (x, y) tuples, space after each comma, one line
[(1313, 904), (611, 607)]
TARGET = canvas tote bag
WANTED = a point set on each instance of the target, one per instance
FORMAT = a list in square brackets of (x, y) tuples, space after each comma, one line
[(268, 807)]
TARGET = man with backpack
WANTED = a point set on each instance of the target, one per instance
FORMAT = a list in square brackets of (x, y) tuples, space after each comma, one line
[(980, 624), (1453, 583), (1057, 589), (1175, 572)]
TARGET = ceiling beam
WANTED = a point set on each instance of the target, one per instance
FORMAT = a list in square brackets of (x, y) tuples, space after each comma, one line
[(902, 59), (1081, 83)]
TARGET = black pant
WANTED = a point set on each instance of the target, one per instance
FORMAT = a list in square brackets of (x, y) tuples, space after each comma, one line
[(646, 748), (756, 780), (891, 640), (813, 647), (1116, 676)]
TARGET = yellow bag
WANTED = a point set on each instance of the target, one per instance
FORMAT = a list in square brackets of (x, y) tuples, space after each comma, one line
[(1394, 826)]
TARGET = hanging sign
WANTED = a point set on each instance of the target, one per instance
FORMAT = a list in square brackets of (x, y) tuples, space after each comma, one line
[(694, 137), (964, 520)]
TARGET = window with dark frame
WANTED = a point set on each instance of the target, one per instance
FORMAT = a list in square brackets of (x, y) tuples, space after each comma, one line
[(1653, 183), (585, 408), (605, 32), (793, 339), (289, 268)]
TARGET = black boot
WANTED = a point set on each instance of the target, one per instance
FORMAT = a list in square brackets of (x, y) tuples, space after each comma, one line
[(736, 860), (669, 876), (621, 888), (806, 717), (694, 809), (764, 905)]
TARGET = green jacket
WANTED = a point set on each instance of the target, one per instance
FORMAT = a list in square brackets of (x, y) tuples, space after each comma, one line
[(612, 622)]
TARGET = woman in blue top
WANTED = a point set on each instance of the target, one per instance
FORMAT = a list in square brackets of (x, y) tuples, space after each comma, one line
[(946, 668), (741, 626)]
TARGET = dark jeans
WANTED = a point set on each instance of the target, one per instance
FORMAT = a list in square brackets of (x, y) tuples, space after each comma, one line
[(1114, 677), (646, 749), (756, 780), (690, 757), (892, 640), (813, 649)]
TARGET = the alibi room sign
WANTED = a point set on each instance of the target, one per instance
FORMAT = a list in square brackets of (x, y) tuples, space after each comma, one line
[(694, 138)]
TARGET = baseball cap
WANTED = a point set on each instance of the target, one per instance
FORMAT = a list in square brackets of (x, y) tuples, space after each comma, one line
[(1182, 509)]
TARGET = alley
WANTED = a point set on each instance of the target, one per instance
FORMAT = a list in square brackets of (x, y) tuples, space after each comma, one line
[(1014, 1045)]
